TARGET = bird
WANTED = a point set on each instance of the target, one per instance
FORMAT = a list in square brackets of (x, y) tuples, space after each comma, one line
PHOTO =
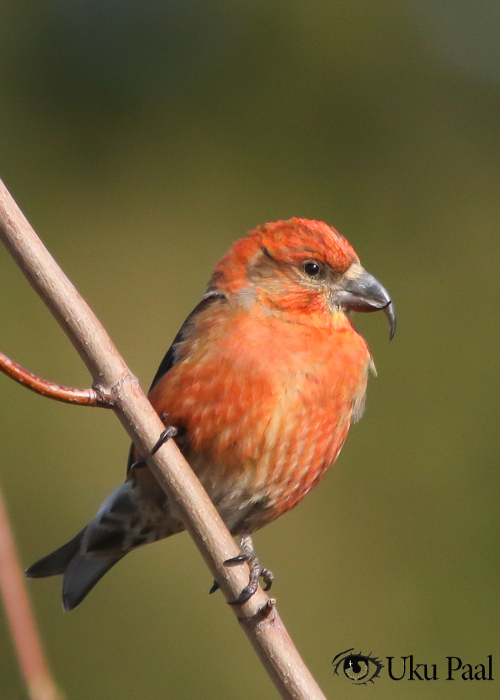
[(258, 389)]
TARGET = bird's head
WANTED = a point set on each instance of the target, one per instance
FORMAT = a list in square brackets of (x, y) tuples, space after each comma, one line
[(301, 267)]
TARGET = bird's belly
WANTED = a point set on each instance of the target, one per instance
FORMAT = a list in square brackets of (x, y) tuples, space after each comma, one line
[(267, 470)]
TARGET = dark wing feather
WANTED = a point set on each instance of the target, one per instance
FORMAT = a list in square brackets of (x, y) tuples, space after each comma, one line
[(170, 359)]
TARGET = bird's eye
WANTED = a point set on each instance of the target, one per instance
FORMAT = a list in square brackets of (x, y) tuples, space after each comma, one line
[(312, 269), (357, 667)]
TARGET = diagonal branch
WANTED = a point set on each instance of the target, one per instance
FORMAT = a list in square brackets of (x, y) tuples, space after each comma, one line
[(82, 397), (258, 617)]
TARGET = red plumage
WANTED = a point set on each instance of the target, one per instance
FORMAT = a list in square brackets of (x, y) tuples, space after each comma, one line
[(262, 383)]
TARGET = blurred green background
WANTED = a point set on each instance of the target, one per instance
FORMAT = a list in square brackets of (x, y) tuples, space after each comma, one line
[(141, 139)]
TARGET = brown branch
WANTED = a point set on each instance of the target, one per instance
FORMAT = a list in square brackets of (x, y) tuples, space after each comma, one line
[(20, 617), (258, 617), (81, 397)]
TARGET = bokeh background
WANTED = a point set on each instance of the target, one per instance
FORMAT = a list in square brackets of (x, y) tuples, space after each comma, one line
[(141, 139)]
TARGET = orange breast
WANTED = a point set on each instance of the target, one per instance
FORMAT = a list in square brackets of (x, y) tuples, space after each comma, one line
[(266, 403)]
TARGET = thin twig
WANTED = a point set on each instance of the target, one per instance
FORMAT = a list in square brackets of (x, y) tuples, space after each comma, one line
[(258, 617), (21, 619), (66, 394)]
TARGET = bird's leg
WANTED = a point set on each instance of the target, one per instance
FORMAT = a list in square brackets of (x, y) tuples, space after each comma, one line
[(165, 436), (247, 554)]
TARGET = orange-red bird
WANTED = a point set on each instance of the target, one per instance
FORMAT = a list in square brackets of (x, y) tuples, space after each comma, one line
[(262, 383)]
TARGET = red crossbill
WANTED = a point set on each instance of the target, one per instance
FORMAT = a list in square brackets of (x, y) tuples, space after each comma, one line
[(261, 383)]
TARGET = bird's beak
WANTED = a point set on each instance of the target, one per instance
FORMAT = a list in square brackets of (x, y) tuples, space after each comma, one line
[(360, 291)]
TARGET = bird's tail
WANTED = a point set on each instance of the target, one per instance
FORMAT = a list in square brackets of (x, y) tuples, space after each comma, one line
[(85, 559), (56, 563), (80, 572)]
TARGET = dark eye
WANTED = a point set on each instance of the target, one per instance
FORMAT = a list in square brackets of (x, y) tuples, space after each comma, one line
[(313, 269)]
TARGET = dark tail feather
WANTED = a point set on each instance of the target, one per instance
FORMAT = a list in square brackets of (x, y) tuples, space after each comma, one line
[(81, 576), (81, 573), (55, 564)]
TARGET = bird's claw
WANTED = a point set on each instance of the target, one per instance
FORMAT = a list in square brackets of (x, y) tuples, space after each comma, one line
[(140, 464), (165, 436), (247, 554), (256, 571), (235, 561), (246, 593), (268, 578)]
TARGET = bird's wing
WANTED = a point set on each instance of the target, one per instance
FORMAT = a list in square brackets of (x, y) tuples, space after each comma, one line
[(170, 358), (210, 297)]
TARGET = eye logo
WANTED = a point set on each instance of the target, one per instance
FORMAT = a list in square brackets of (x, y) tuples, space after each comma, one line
[(356, 667)]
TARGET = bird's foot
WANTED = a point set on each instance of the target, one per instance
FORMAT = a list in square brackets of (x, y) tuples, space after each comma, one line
[(247, 554), (165, 436)]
